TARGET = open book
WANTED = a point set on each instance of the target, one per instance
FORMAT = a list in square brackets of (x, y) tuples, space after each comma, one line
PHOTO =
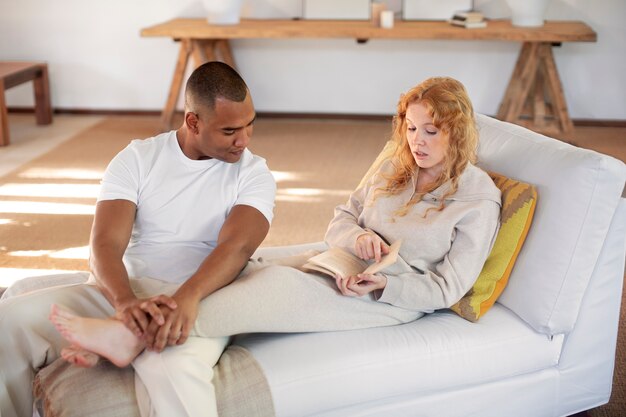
[(341, 262)]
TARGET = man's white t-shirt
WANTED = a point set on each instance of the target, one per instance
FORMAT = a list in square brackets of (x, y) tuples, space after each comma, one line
[(181, 203)]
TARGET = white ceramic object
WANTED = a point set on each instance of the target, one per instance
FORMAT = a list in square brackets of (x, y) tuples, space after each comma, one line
[(386, 19), (223, 12), (528, 13)]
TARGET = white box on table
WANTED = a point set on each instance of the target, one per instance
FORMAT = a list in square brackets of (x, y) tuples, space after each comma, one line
[(336, 10), (433, 9)]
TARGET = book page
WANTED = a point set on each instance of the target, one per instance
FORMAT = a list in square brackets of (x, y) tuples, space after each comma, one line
[(338, 261), (386, 260)]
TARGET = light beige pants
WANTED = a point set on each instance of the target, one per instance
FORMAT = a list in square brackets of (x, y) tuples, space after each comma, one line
[(265, 298), (178, 380), (273, 298), (29, 342)]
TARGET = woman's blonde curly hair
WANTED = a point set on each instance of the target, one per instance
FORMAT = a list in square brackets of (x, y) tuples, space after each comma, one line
[(452, 112)]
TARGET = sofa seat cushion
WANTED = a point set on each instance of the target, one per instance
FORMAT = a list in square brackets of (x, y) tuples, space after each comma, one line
[(310, 373)]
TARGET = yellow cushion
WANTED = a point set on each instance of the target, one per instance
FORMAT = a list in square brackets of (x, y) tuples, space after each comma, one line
[(518, 207)]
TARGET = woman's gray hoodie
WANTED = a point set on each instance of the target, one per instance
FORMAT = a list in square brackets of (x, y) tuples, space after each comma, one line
[(442, 253)]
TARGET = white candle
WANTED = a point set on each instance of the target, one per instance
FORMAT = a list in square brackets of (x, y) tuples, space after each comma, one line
[(386, 19)]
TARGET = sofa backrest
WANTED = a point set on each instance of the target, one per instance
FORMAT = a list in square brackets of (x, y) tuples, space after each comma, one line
[(578, 192)]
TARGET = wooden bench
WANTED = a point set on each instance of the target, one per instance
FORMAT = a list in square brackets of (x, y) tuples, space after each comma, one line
[(15, 73)]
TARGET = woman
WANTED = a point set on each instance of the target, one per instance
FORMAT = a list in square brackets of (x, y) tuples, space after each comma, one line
[(427, 193)]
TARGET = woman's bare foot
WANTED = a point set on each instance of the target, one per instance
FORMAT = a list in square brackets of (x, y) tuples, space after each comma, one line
[(108, 338), (80, 357)]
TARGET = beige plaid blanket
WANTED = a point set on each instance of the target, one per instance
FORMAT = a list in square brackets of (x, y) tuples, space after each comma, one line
[(63, 390)]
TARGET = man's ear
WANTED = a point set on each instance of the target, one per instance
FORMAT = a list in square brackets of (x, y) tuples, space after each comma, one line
[(191, 120)]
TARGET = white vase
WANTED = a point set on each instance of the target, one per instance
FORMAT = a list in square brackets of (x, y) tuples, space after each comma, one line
[(529, 13), (223, 12)]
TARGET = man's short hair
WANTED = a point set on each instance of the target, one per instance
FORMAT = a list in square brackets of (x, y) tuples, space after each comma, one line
[(211, 81)]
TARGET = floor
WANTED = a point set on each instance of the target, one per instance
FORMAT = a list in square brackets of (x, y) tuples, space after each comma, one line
[(608, 140), (28, 141)]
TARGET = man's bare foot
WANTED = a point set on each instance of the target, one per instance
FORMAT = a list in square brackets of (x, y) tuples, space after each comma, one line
[(80, 357), (108, 338)]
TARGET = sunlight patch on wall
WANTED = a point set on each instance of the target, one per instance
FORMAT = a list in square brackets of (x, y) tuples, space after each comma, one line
[(63, 173), (50, 190), (33, 207)]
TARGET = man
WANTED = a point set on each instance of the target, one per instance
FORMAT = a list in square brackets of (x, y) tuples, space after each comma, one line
[(187, 207)]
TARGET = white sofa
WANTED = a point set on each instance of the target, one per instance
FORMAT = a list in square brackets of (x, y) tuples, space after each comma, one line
[(546, 348)]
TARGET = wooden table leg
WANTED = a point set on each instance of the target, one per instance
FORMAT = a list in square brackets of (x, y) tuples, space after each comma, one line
[(521, 80), (4, 118), (555, 89), (203, 51), (177, 82), (538, 107), (209, 50), (535, 85), (223, 47), (43, 109)]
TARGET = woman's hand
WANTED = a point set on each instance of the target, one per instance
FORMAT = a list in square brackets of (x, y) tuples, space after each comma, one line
[(370, 246), (361, 284)]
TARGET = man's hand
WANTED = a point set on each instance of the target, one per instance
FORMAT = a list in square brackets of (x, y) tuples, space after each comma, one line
[(242, 232), (138, 313), (361, 284), (176, 326), (370, 246)]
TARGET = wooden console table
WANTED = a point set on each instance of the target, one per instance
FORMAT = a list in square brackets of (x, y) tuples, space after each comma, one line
[(15, 73), (534, 96)]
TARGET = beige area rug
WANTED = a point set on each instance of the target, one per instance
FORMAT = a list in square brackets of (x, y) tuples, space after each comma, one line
[(46, 205), (316, 164)]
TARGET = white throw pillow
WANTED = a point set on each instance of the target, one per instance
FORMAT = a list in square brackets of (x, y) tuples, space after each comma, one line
[(579, 191)]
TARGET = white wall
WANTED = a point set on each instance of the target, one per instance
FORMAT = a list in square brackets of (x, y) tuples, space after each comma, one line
[(97, 60)]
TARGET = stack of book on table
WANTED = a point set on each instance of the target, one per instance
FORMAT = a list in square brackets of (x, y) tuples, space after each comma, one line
[(469, 20)]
